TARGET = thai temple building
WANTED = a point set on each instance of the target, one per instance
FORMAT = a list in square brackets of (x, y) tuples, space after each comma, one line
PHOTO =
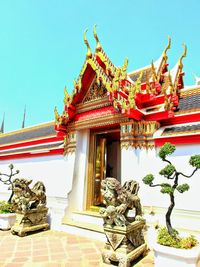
[(112, 125)]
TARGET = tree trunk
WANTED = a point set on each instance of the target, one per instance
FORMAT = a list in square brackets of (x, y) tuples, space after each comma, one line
[(168, 215), (10, 198)]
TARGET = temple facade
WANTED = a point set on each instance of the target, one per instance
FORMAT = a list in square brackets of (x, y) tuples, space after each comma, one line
[(112, 125)]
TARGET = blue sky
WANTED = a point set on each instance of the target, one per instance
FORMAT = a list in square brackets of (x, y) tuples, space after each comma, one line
[(42, 48)]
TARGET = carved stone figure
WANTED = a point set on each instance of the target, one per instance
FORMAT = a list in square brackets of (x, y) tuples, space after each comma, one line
[(26, 198), (30, 206), (123, 222), (121, 202)]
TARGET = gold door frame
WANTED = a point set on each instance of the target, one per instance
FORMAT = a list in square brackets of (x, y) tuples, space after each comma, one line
[(91, 168)]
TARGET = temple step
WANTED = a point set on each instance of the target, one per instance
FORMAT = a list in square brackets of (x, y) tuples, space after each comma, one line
[(88, 224)]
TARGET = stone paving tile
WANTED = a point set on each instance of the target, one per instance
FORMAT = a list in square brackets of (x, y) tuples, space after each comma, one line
[(54, 249)]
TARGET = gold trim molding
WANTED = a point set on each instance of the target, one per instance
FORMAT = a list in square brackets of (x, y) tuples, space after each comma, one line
[(138, 134), (70, 143)]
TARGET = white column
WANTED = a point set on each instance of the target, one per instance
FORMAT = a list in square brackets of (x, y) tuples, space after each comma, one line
[(76, 196)]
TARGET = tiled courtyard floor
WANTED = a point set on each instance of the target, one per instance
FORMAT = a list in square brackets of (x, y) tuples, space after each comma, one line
[(54, 249)]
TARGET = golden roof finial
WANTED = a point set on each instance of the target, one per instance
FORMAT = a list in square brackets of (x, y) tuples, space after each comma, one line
[(167, 47), (183, 55), (57, 116), (155, 77), (171, 86), (124, 69), (67, 97), (148, 86), (98, 45), (89, 53)]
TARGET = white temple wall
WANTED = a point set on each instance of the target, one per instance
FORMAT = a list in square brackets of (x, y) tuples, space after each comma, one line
[(136, 163), (56, 172), (129, 164)]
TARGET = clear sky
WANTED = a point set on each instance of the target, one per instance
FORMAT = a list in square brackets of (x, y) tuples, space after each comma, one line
[(42, 48)]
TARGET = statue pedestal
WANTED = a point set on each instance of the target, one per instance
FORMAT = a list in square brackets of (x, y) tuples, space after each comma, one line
[(29, 221), (124, 244)]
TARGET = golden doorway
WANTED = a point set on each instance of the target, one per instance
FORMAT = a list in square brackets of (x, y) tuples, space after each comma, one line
[(104, 161)]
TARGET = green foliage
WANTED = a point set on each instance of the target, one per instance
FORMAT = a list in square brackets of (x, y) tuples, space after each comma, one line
[(182, 188), (5, 207), (168, 170), (165, 239), (195, 161), (166, 149), (189, 242), (148, 179), (166, 188)]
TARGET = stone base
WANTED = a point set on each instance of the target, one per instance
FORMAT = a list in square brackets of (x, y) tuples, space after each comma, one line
[(124, 244), (30, 221)]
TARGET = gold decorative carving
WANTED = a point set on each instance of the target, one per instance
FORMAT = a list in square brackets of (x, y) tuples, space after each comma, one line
[(96, 91), (97, 122), (115, 81), (57, 116), (67, 97), (155, 77), (138, 134), (124, 69), (70, 143)]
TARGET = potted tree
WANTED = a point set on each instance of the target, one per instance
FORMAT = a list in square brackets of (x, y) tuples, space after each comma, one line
[(172, 249), (7, 217)]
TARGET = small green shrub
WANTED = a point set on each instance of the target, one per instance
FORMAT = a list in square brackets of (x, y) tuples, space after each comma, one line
[(175, 241), (5, 207)]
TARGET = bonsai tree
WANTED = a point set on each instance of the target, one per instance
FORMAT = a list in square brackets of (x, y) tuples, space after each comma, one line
[(7, 179), (173, 176)]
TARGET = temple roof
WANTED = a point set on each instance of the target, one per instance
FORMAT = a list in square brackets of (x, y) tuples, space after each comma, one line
[(182, 134), (146, 72), (189, 100), (150, 93), (182, 129), (32, 149), (28, 134), (40, 140)]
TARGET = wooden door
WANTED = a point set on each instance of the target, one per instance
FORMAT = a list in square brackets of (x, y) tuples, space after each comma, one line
[(100, 168)]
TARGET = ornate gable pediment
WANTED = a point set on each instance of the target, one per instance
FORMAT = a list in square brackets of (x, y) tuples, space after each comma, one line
[(96, 91)]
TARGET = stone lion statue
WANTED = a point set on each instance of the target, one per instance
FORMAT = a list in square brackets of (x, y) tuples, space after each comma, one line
[(26, 198), (122, 202)]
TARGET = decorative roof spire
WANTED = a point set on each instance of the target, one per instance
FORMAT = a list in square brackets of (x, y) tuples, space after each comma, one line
[(57, 116), (67, 97), (98, 45), (155, 77), (182, 56), (124, 69), (24, 117), (167, 47), (197, 79), (89, 53), (2, 124), (171, 87)]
